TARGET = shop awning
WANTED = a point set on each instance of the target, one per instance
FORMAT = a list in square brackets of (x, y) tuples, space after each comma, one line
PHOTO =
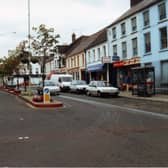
[(98, 67)]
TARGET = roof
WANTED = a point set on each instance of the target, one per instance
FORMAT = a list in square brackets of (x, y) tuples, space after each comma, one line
[(135, 9), (85, 42), (62, 48), (101, 38)]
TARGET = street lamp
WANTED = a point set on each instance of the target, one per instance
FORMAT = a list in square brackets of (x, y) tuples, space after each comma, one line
[(29, 36)]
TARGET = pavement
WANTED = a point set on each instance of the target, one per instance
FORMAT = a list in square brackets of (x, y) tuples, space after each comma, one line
[(157, 97)]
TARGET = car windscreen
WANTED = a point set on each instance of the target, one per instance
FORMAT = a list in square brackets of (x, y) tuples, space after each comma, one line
[(101, 84), (66, 79), (81, 83), (50, 84)]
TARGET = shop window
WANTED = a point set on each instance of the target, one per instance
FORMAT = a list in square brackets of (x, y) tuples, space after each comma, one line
[(164, 72)]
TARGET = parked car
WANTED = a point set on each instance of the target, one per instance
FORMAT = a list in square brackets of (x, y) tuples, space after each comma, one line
[(78, 86), (101, 88), (53, 87), (63, 80)]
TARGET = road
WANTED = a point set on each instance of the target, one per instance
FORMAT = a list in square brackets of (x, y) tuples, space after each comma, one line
[(87, 131)]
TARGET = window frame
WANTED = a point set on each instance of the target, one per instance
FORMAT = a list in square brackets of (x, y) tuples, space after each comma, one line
[(147, 35), (162, 39)]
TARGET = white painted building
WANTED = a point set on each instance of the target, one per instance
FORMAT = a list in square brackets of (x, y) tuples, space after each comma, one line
[(95, 54)]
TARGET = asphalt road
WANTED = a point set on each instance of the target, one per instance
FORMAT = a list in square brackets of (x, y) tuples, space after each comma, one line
[(87, 131)]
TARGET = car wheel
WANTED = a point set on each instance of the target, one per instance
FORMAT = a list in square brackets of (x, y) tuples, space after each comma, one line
[(88, 93), (99, 94)]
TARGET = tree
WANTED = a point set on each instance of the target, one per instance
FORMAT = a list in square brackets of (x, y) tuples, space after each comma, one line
[(43, 43)]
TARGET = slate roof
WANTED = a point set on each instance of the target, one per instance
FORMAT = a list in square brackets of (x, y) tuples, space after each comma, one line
[(135, 9), (62, 48), (85, 42)]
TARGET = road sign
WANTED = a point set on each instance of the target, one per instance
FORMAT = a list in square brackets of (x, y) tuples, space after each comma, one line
[(46, 94)]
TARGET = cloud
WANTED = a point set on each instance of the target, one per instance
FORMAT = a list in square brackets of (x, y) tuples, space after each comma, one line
[(67, 16)]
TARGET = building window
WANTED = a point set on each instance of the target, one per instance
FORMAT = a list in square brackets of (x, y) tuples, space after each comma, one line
[(124, 50), (114, 50), (98, 51), (89, 57), (123, 29), (78, 61), (134, 24), (146, 18), (147, 38), (164, 72), (134, 47), (148, 64), (94, 56), (162, 11), (114, 33), (83, 59), (104, 51), (163, 38), (37, 70)]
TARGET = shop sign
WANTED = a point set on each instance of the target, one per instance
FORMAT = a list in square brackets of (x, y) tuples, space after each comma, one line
[(118, 64), (93, 68), (115, 58), (106, 60), (132, 61)]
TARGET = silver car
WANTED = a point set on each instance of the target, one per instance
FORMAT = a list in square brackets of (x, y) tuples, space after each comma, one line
[(78, 86), (53, 87), (101, 88)]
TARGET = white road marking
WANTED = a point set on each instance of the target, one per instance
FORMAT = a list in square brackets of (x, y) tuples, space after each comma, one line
[(132, 110), (23, 138)]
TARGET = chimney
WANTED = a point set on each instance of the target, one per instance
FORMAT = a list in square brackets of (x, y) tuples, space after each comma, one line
[(135, 2), (73, 37)]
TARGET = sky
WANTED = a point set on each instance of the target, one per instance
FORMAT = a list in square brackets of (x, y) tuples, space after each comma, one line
[(83, 17)]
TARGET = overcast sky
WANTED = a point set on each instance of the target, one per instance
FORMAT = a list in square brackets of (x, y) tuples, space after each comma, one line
[(83, 17)]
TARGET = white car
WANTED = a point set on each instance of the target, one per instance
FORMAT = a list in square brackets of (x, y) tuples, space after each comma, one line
[(78, 86), (100, 88), (53, 88)]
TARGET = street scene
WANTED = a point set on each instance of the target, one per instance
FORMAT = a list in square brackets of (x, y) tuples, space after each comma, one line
[(84, 83)]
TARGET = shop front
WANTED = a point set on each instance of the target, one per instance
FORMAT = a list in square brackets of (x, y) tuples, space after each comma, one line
[(97, 72), (124, 73)]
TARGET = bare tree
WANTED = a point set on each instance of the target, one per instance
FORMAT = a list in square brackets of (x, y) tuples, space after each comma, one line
[(43, 43)]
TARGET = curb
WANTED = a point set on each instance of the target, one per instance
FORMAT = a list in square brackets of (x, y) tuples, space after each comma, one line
[(144, 98), (37, 105)]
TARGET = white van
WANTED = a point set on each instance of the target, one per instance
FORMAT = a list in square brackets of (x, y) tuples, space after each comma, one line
[(63, 80)]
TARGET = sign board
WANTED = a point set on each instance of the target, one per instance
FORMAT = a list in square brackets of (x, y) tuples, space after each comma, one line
[(46, 94), (106, 60), (115, 58), (132, 61)]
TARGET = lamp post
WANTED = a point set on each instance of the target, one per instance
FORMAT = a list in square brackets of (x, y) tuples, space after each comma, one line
[(29, 36)]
